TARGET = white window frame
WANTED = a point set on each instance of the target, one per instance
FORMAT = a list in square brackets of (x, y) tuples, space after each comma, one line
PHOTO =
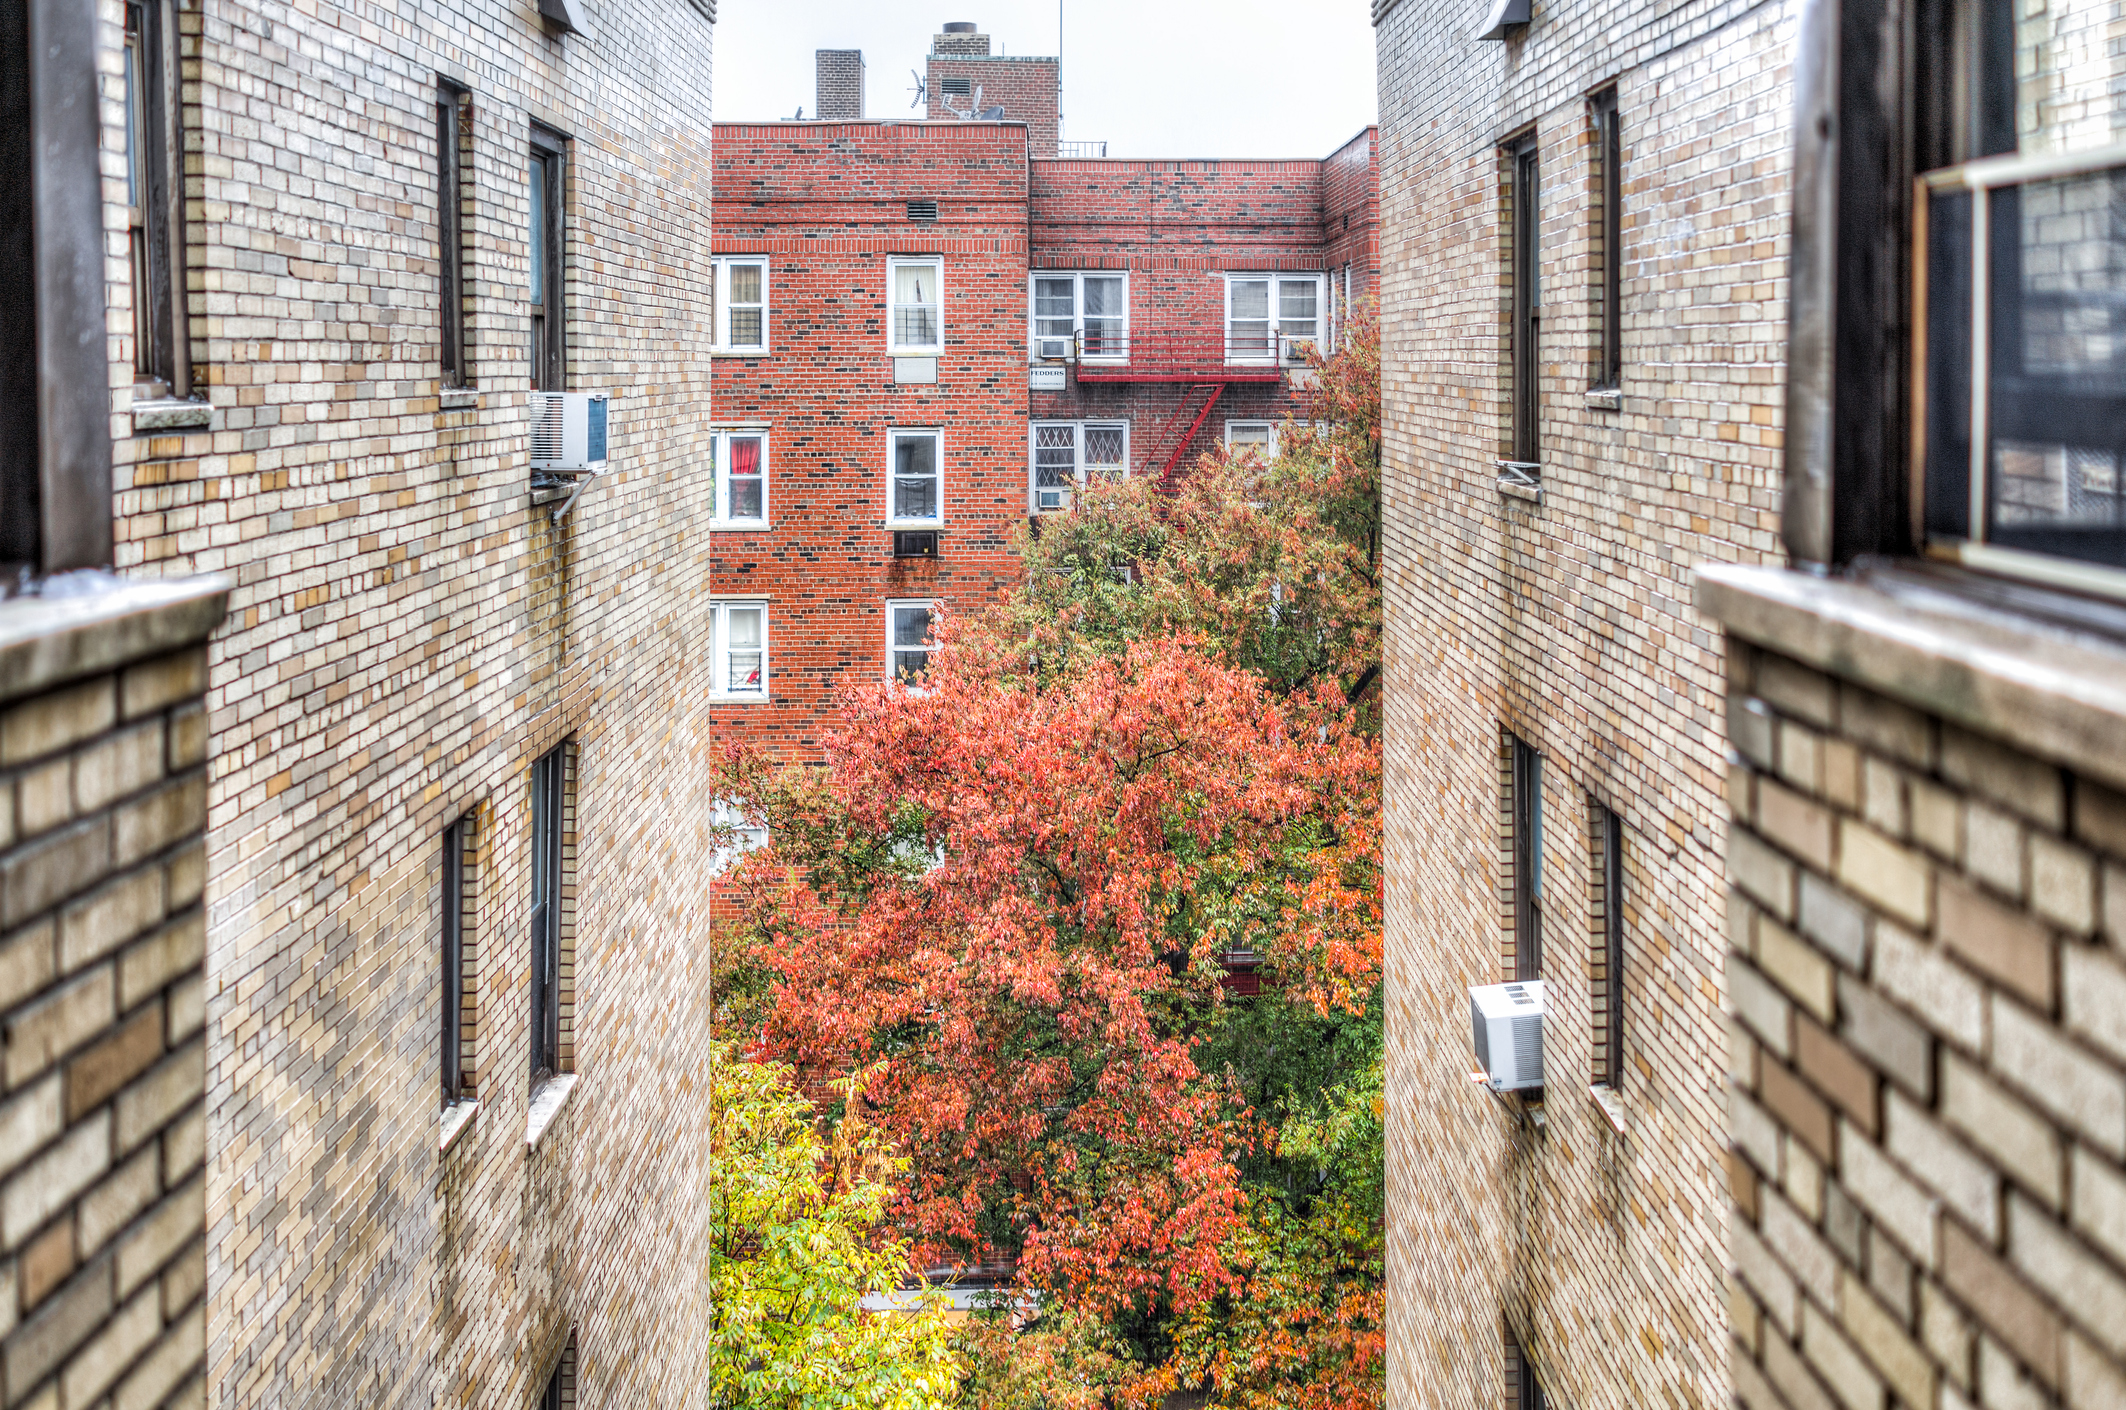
[(936, 265), (719, 648), (720, 336), (751, 835), (1276, 323), (1078, 467), (936, 436), (1077, 278), (719, 453), (928, 604)]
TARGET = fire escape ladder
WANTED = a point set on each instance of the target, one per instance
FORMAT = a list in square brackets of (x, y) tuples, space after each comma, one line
[(1214, 390)]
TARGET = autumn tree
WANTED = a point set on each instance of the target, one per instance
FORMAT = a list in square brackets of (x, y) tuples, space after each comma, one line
[(795, 1248), (1016, 896)]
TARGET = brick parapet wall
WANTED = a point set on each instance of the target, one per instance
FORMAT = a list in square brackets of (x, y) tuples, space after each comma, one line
[(103, 811), (406, 634), (1568, 623), (1928, 1069)]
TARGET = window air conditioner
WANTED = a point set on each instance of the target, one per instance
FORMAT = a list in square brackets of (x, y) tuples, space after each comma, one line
[(568, 433), (1507, 1026)]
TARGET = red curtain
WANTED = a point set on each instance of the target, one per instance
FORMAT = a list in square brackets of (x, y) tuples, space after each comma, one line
[(745, 457)]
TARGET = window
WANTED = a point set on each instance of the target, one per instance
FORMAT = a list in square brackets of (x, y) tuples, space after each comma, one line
[(738, 644), (1260, 435), (914, 478), (1525, 796), (917, 330), (1081, 315), (2021, 237), (450, 233), (549, 312), (460, 991), (1266, 314), (553, 903), (1066, 453), (741, 461), (1523, 1391), (745, 835), (1606, 845), (741, 298), (154, 201), (560, 1392), (55, 413), (1609, 242), (1527, 311), (908, 645)]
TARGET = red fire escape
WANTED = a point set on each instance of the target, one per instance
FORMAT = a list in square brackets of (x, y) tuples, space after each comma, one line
[(1204, 364)]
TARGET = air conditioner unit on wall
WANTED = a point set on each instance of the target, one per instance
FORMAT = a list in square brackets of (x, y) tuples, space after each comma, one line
[(568, 432), (1506, 1022)]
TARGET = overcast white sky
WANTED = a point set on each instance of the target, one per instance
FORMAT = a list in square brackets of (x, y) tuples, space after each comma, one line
[(1153, 78)]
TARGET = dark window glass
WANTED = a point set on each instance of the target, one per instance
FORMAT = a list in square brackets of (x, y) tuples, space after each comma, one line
[(450, 235), (1609, 154), (453, 961), (548, 778), (19, 450), (1527, 862), (154, 233), (1527, 304), (1613, 941), (549, 317)]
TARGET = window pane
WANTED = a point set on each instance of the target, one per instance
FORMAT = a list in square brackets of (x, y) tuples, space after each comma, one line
[(1106, 313), (1054, 298), (538, 230), (915, 477), (745, 283), (911, 625), (745, 481), (1296, 307), (1103, 296), (1249, 334), (2070, 73), (2057, 410), (1104, 447), (745, 627), (1055, 465), (1255, 435)]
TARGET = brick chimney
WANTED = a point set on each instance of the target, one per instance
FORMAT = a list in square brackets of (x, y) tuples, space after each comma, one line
[(838, 85), (959, 38)]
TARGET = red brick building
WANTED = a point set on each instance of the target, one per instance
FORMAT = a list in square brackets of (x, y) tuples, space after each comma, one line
[(928, 331)]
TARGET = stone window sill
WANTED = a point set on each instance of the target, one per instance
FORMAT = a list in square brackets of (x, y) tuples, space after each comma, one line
[(2001, 659), (548, 1098), (1520, 480), (457, 1120), (1605, 399), (1609, 1104), (458, 399), (170, 414)]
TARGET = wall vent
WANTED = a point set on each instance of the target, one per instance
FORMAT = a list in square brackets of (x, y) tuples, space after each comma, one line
[(956, 87), (915, 543), (922, 210)]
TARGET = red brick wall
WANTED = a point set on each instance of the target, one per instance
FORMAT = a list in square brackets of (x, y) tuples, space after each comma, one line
[(1177, 228), (827, 204), (1025, 88)]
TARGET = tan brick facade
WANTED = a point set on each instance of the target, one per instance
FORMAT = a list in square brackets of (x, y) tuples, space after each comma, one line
[(103, 811), (407, 633), (1928, 977), (1589, 1246)]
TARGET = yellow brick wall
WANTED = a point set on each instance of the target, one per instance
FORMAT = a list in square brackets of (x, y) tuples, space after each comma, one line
[(103, 807), (406, 634), (1598, 1252)]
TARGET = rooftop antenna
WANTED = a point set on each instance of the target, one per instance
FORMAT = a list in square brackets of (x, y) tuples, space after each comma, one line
[(921, 89), (974, 105)]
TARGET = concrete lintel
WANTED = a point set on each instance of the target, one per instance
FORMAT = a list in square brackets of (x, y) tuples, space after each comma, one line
[(2048, 690), (89, 622)]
